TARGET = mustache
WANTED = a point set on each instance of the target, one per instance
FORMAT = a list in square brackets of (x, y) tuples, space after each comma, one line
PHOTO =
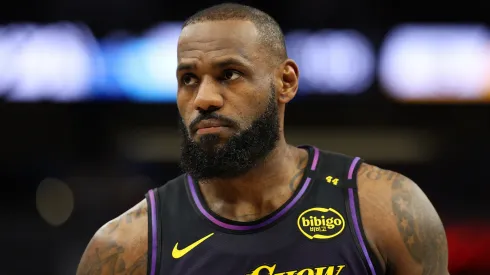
[(228, 122)]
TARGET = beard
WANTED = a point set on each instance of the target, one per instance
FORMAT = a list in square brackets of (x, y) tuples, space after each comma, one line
[(208, 159)]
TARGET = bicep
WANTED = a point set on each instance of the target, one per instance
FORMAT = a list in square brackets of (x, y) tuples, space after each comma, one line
[(419, 244)]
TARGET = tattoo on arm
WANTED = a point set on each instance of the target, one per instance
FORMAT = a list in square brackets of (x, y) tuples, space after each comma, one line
[(299, 173), (374, 173), (137, 213), (112, 226), (139, 266), (104, 261), (420, 227), (129, 218), (104, 257), (108, 260)]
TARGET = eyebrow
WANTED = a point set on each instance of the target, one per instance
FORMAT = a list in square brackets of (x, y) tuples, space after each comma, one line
[(185, 67), (223, 63)]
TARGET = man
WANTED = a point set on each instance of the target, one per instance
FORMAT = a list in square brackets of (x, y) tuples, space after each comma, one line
[(249, 203)]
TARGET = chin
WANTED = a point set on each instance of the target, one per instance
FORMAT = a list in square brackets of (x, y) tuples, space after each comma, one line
[(210, 141), (218, 138)]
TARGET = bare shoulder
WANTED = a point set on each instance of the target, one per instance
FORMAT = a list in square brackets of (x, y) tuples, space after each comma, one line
[(120, 246), (401, 223)]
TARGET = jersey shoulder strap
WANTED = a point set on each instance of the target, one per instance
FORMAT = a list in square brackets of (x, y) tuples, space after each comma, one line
[(340, 172), (165, 197), (337, 169)]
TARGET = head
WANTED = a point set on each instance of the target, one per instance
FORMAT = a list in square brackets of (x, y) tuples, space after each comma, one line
[(234, 81)]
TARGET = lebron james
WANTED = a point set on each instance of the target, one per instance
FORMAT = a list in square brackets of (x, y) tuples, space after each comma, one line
[(250, 203)]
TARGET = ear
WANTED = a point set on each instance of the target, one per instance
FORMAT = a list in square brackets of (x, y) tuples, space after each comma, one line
[(288, 78)]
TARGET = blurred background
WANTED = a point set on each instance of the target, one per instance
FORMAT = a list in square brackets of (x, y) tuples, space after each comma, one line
[(88, 115)]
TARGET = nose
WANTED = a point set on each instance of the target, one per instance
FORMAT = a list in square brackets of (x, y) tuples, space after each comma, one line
[(208, 96)]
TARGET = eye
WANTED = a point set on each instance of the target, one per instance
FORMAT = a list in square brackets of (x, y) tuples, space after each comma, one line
[(188, 79), (231, 75)]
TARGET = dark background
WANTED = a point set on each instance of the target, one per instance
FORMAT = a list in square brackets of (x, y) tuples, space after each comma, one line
[(99, 158)]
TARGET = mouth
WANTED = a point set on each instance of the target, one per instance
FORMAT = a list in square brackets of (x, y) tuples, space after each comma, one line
[(210, 126)]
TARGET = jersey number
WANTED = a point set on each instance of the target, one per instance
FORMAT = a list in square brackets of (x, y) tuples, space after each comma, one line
[(332, 180)]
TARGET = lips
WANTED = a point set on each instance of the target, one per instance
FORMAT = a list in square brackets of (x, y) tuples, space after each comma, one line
[(209, 123)]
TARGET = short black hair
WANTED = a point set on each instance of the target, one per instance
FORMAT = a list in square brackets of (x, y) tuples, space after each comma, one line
[(271, 36)]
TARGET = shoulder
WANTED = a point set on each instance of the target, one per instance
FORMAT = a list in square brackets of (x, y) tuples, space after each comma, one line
[(172, 192), (400, 222), (174, 184), (120, 246)]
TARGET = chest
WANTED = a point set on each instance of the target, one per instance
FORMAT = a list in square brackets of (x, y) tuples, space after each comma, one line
[(311, 241), (260, 257)]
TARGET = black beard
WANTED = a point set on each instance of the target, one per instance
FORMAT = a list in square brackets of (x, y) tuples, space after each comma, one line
[(208, 159)]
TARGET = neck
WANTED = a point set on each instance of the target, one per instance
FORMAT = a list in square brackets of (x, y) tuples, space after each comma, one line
[(260, 191)]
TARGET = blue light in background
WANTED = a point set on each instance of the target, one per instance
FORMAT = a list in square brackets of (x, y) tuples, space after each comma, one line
[(294, 47), (144, 68), (332, 61), (105, 85), (337, 62), (133, 67), (63, 62)]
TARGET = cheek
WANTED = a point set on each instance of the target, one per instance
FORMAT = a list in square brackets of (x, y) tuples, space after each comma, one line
[(184, 106), (245, 114)]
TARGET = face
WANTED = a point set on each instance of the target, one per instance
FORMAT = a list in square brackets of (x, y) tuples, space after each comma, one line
[(227, 99)]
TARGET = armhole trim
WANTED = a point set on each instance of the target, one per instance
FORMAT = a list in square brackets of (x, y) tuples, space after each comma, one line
[(152, 233), (355, 217), (358, 232)]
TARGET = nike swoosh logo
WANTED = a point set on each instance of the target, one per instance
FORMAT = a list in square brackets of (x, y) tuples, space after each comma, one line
[(179, 253)]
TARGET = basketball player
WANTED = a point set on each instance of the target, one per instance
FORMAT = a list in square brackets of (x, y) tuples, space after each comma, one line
[(249, 203)]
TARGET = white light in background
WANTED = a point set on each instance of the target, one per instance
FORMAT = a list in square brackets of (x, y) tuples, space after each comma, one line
[(62, 62), (338, 61), (435, 62), (12, 38), (330, 62), (294, 45), (54, 201), (53, 63)]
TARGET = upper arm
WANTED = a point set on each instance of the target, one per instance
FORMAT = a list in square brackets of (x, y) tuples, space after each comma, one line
[(119, 247), (401, 223)]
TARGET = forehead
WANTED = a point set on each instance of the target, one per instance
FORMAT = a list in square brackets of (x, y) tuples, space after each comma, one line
[(215, 38)]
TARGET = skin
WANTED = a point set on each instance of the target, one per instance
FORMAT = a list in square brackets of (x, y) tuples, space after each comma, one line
[(400, 223)]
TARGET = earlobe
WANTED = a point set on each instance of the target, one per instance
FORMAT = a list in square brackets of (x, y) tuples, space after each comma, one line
[(289, 79)]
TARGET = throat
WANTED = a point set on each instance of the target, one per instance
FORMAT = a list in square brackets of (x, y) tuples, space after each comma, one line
[(250, 209), (255, 196)]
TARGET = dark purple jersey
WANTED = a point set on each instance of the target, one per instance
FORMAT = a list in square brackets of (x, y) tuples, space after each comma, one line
[(318, 231)]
